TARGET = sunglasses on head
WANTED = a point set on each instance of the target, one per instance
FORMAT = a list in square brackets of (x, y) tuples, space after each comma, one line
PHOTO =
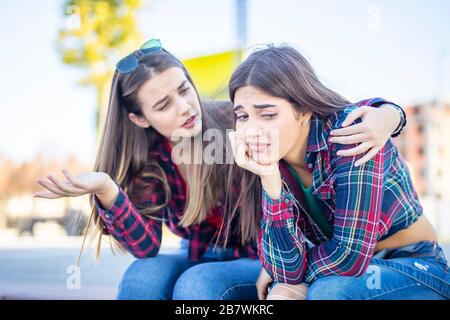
[(131, 61)]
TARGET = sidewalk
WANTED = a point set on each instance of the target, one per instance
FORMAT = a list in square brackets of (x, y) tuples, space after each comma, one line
[(42, 274), (37, 268)]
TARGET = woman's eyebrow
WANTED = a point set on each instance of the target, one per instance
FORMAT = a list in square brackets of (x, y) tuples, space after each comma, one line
[(256, 106), (182, 84), (263, 106), (165, 98), (160, 101)]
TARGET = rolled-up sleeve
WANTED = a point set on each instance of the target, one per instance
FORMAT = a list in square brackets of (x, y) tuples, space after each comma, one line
[(140, 235)]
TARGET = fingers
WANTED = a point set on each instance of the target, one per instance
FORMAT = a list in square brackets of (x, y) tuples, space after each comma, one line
[(352, 116), (74, 181), (65, 187), (239, 149), (233, 142), (260, 293), (262, 284), (354, 138), (369, 155), (262, 290), (242, 155), (49, 186), (243, 158), (47, 195), (353, 129), (359, 149)]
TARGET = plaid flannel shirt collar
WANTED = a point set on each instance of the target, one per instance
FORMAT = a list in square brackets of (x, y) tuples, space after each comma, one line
[(318, 135)]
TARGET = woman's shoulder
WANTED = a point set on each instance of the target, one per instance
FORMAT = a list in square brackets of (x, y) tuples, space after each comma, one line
[(335, 120), (341, 114)]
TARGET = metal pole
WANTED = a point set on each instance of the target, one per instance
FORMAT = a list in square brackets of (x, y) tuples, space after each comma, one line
[(241, 17)]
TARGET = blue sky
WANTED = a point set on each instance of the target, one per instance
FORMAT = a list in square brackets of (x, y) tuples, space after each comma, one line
[(359, 48)]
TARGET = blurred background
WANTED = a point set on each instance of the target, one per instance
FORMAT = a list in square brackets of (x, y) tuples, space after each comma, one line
[(56, 63)]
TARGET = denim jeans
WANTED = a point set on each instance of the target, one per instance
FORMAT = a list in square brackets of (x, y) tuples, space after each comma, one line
[(417, 271), (217, 276)]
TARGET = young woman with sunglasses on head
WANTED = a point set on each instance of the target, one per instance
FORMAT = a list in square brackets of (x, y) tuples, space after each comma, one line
[(326, 225), (136, 186)]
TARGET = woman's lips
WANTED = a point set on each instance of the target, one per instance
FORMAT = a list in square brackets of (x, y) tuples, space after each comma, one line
[(190, 122), (258, 147)]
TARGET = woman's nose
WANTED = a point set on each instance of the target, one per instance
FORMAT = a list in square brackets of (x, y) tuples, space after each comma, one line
[(252, 132), (184, 108)]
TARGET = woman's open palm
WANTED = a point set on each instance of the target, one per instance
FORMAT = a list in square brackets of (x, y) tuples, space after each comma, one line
[(73, 186)]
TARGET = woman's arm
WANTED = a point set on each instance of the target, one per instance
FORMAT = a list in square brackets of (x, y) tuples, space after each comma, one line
[(138, 234), (281, 248), (108, 194)]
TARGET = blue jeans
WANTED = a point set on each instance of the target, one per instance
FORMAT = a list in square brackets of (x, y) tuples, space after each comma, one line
[(417, 271), (217, 276)]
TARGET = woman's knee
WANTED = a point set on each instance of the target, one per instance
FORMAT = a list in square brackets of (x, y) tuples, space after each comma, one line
[(196, 283), (331, 288), (223, 280), (151, 278)]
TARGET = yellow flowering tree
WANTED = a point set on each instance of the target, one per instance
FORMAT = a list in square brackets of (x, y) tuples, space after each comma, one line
[(95, 34)]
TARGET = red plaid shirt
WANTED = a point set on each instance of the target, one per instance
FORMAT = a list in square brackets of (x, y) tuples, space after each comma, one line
[(141, 235)]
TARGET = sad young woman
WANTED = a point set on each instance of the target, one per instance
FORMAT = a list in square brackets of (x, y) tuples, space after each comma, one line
[(325, 222)]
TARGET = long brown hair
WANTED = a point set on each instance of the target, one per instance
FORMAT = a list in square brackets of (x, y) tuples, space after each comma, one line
[(124, 147), (284, 73), (207, 180)]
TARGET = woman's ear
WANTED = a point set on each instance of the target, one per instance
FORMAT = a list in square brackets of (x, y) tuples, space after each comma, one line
[(138, 120), (304, 118)]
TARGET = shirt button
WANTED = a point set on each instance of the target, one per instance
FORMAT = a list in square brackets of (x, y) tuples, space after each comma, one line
[(310, 165), (108, 215)]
